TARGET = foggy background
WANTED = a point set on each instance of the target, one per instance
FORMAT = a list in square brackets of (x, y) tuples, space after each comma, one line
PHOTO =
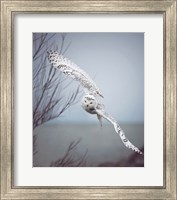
[(115, 61)]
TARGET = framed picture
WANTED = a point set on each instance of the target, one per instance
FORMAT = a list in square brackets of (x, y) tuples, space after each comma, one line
[(65, 103), (88, 100)]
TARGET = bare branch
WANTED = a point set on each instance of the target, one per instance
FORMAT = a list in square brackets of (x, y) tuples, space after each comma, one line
[(68, 160), (48, 100), (43, 37)]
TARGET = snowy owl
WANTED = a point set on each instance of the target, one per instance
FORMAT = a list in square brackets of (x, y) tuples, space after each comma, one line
[(89, 102)]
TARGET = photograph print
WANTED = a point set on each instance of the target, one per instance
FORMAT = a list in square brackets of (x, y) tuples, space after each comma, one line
[(88, 99)]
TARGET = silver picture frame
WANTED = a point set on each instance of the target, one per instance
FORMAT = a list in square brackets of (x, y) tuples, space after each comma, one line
[(8, 10)]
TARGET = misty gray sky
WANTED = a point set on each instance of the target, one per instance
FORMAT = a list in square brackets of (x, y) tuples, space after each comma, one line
[(116, 63)]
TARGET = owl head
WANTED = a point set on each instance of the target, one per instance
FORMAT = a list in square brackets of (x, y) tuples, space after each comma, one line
[(89, 103)]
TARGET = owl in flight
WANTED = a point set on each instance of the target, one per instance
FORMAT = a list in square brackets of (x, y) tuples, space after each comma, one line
[(89, 102)]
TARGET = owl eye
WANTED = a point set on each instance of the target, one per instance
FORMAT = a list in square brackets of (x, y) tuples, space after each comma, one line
[(90, 102), (85, 101)]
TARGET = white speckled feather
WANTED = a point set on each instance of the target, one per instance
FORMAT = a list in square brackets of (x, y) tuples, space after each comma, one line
[(72, 70)]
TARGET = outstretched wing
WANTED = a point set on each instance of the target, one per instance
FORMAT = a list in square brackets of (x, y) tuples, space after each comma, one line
[(127, 143), (72, 70)]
